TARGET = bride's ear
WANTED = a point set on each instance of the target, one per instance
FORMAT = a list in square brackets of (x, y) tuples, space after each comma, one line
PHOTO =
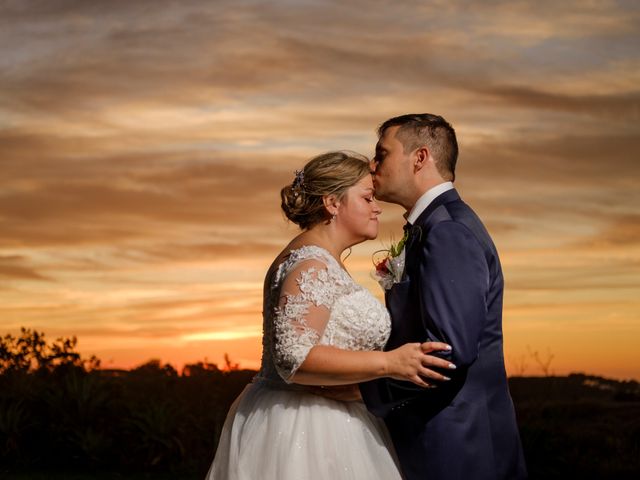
[(331, 204)]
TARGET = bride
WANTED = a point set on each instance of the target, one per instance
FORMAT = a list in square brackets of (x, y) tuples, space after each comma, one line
[(322, 331)]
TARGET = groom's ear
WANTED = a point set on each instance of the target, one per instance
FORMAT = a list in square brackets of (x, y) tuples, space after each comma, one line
[(421, 158)]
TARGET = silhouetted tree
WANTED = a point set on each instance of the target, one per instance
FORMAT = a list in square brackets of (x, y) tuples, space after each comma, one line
[(30, 352), (544, 364), (230, 366), (200, 369)]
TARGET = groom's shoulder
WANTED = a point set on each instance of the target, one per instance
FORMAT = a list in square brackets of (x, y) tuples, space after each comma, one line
[(451, 207), (459, 210), (448, 207), (461, 213), (456, 211)]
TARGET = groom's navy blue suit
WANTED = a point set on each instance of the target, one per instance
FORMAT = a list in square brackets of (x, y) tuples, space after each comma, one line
[(451, 292)]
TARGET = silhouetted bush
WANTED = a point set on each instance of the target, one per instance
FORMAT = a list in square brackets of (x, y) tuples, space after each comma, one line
[(58, 412)]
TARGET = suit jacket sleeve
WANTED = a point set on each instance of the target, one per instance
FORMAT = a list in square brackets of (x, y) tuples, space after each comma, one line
[(453, 286)]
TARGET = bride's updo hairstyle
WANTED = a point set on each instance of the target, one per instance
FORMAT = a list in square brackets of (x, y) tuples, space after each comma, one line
[(331, 173)]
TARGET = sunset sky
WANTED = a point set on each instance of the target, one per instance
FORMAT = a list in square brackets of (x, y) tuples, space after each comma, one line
[(143, 145)]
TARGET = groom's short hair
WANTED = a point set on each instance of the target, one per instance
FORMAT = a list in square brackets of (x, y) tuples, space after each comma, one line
[(418, 129)]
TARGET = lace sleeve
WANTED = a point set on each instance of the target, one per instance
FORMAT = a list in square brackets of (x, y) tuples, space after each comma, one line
[(307, 295)]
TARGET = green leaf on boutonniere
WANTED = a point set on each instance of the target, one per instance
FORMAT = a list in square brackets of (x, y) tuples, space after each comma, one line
[(395, 250)]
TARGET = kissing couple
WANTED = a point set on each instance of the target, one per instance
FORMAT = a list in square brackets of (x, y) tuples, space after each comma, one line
[(351, 389)]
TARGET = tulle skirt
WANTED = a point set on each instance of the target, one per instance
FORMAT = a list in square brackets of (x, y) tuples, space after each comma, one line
[(277, 434)]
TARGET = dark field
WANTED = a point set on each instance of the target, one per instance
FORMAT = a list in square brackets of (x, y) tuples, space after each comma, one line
[(62, 418)]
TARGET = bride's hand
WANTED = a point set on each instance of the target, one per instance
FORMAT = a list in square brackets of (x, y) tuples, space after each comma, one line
[(410, 362)]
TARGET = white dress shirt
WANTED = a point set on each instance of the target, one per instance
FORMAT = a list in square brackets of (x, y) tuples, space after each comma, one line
[(426, 198)]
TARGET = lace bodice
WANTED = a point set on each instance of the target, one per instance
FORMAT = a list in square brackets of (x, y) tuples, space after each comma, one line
[(310, 299)]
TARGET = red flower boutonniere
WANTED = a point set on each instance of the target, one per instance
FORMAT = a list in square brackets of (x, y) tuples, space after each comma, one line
[(389, 264)]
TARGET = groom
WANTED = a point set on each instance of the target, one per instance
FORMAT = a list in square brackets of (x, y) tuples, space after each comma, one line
[(451, 291)]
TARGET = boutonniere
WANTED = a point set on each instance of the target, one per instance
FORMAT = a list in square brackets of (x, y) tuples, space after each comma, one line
[(389, 264)]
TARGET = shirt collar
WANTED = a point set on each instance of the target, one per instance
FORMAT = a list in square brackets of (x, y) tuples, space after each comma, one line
[(426, 198)]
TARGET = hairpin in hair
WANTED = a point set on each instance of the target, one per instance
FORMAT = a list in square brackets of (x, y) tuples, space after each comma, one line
[(298, 182)]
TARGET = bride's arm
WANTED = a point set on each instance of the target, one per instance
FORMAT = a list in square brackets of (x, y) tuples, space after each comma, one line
[(303, 311), (326, 365)]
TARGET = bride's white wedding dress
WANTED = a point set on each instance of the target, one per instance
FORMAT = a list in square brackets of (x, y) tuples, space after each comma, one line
[(278, 430)]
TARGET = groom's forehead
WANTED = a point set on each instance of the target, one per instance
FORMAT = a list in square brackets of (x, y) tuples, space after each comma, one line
[(391, 133), (384, 139), (382, 145)]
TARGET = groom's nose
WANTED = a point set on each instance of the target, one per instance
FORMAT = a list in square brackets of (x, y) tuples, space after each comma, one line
[(372, 165)]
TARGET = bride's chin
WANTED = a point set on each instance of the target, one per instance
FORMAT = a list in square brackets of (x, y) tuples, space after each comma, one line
[(365, 235)]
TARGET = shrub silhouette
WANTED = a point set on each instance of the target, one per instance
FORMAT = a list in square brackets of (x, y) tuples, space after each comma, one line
[(59, 412), (30, 353)]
